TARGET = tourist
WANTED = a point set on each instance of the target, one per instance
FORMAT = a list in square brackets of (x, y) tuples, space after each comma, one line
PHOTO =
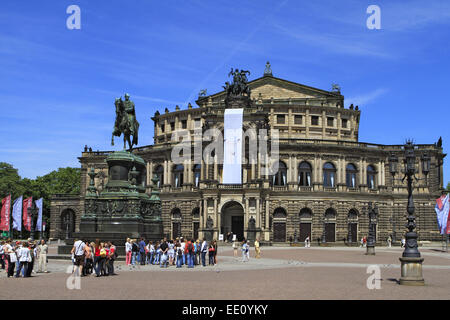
[(134, 250), (142, 252), (88, 259), (235, 248), (11, 258), (128, 251), (190, 253), (164, 248), (24, 258), (112, 255), (204, 250), (157, 253), (211, 254), (389, 241), (171, 253), (179, 255), (103, 258), (79, 254), (307, 242), (196, 252), (2, 254), (97, 259), (152, 252), (245, 251), (32, 248), (257, 249), (183, 248), (403, 242), (42, 251), (215, 251)]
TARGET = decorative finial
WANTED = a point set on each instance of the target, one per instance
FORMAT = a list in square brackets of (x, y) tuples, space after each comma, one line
[(268, 70)]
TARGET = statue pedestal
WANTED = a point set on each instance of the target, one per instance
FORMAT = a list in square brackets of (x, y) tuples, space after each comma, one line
[(208, 234), (122, 210), (411, 272), (370, 250)]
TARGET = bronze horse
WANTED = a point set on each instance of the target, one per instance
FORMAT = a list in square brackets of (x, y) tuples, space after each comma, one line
[(125, 123)]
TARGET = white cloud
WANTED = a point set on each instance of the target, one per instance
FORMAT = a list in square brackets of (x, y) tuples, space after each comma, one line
[(366, 98)]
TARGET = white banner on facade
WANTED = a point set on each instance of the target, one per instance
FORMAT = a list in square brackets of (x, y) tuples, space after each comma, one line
[(232, 164)]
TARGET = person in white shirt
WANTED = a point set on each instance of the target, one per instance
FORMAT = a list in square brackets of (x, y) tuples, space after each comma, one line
[(307, 242), (24, 257), (245, 251), (128, 251), (183, 246), (204, 250), (79, 252)]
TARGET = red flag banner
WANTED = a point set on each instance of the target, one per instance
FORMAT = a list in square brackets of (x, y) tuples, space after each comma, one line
[(4, 216), (27, 203)]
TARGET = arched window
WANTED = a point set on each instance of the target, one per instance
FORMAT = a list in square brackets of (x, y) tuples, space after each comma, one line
[(279, 178), (159, 172), (352, 215), (305, 213), (371, 172), (178, 175), (329, 174), (197, 170), (304, 174), (351, 175), (330, 213), (279, 213)]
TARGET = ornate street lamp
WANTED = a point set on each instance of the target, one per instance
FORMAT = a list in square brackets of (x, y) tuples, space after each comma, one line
[(411, 261), (371, 239), (33, 212), (426, 166)]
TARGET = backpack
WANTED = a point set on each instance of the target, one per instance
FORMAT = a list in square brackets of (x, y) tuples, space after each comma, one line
[(190, 247), (103, 253)]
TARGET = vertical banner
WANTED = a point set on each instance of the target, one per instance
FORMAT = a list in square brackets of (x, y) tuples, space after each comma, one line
[(27, 203), (232, 165), (39, 219), (17, 214), (4, 216), (442, 211)]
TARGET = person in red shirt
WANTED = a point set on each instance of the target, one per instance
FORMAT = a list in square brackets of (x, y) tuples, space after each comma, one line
[(111, 256)]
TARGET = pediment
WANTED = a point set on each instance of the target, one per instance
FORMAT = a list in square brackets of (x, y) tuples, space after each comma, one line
[(271, 87)]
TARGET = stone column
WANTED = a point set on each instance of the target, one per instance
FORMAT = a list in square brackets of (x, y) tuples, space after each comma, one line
[(339, 125), (215, 167), (166, 173), (258, 213), (202, 170), (295, 170), (307, 122)]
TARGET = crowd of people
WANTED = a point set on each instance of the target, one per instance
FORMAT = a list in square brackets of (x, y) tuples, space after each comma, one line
[(177, 252), (93, 257), (19, 258)]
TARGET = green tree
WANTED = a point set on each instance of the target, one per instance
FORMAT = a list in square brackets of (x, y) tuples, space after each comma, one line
[(448, 187), (63, 180), (10, 181)]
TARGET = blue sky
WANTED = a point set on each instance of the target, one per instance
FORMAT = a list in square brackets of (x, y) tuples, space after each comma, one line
[(57, 86)]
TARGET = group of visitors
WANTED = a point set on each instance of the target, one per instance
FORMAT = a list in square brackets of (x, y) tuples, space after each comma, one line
[(177, 252), (19, 257), (95, 257)]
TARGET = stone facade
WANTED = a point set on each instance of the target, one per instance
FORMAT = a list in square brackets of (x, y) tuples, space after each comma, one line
[(325, 181)]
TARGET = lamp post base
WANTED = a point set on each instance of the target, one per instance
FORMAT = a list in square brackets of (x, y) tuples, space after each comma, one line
[(411, 272), (370, 250)]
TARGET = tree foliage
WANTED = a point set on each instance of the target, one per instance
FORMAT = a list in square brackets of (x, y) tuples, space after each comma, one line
[(63, 180), (448, 186)]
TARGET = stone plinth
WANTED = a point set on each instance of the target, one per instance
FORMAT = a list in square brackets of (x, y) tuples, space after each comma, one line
[(411, 271), (370, 250)]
